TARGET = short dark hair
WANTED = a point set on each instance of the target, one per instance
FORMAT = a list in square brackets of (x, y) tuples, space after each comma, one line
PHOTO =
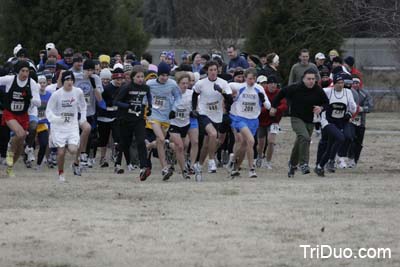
[(309, 71), (232, 46), (337, 60), (148, 57), (209, 64), (304, 50)]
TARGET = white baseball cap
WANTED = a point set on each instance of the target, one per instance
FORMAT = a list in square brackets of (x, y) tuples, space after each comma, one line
[(50, 46), (262, 79), (319, 56)]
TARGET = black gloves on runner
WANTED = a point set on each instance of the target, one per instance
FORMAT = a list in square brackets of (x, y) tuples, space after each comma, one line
[(347, 116), (172, 115), (218, 88), (261, 96), (194, 114), (148, 114)]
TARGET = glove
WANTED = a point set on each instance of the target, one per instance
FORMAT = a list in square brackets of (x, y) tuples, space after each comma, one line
[(261, 97), (194, 114), (172, 115), (218, 88), (148, 114), (347, 116)]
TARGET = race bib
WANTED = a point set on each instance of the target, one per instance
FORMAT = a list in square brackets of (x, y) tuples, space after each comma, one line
[(338, 114), (248, 107), (87, 100), (274, 128), (158, 102), (180, 114), (17, 106), (357, 120), (68, 117), (213, 106)]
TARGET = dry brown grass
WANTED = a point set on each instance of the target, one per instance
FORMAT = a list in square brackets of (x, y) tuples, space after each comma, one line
[(101, 219)]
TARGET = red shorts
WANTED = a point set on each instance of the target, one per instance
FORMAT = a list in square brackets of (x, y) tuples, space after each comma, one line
[(22, 119)]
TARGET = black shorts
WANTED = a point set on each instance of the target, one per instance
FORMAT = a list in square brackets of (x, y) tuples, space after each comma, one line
[(226, 124), (204, 121), (179, 130)]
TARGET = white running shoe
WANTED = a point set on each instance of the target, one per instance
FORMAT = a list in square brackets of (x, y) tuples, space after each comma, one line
[(61, 178), (267, 165), (351, 164), (252, 173), (342, 163), (90, 162), (212, 167), (83, 160), (231, 161), (259, 162), (132, 168), (30, 153), (197, 172)]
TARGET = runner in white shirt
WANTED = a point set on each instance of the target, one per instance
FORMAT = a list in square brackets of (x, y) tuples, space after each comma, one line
[(62, 113), (248, 100), (214, 93), (180, 120)]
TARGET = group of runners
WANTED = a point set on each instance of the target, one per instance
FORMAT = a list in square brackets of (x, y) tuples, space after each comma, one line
[(200, 110)]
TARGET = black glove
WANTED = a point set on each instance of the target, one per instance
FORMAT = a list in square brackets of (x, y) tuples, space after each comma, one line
[(347, 116), (261, 97), (148, 114), (172, 115), (218, 88), (194, 114)]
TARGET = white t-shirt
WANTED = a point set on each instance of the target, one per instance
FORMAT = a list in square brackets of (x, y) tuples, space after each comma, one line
[(183, 108), (247, 102), (63, 107), (210, 101)]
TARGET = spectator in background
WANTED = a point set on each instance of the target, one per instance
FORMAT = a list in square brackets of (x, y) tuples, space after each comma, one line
[(349, 65), (271, 69), (263, 60), (204, 59), (185, 58), (104, 61), (254, 62), (298, 69), (196, 59), (235, 59), (149, 58), (320, 61), (66, 62)]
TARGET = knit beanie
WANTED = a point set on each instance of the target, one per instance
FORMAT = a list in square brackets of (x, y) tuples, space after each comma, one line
[(163, 68)]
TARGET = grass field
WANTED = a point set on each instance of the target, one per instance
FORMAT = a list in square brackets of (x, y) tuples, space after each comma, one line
[(101, 219)]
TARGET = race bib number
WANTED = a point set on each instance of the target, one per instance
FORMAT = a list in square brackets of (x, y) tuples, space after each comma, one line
[(180, 114), (158, 102), (274, 128), (42, 114), (213, 106), (68, 117), (87, 100), (357, 120), (338, 114), (17, 106), (248, 107)]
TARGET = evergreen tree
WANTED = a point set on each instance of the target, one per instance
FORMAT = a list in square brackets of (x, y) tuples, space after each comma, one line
[(100, 26), (287, 26)]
